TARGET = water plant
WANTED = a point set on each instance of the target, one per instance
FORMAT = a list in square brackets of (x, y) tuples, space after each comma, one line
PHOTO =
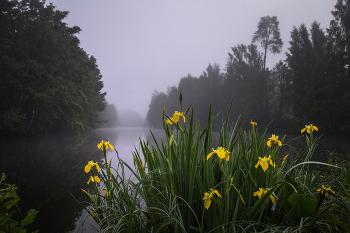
[(179, 186)]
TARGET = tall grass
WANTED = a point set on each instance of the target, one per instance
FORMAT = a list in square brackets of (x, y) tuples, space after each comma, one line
[(175, 181)]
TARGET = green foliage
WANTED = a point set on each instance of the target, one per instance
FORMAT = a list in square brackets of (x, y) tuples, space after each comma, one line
[(47, 81), (8, 202), (254, 187)]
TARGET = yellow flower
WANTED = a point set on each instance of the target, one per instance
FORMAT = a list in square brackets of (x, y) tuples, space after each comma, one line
[(175, 118), (104, 145), (93, 179), (207, 197), (325, 190), (106, 192), (221, 152), (90, 165), (309, 128), (252, 123), (273, 140), (264, 163), (93, 213), (262, 192), (284, 159)]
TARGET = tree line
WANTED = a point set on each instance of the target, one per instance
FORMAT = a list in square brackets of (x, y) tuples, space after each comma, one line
[(47, 82), (311, 86)]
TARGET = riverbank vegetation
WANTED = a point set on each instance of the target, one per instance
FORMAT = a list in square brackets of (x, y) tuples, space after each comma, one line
[(9, 211), (47, 81), (242, 184), (310, 86)]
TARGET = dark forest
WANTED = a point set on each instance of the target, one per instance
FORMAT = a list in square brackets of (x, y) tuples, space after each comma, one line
[(47, 82)]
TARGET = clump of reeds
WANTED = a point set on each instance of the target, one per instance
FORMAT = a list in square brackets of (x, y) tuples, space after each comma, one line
[(243, 185)]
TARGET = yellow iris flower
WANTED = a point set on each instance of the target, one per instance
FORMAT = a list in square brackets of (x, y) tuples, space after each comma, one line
[(207, 197), (175, 118), (106, 192), (309, 128), (325, 190), (273, 140), (252, 123), (264, 163), (93, 179), (105, 145), (262, 192), (90, 165), (221, 152)]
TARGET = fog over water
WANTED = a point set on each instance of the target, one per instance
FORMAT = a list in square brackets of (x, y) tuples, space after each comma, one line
[(141, 45)]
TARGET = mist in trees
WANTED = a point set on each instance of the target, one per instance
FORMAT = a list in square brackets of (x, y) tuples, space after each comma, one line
[(47, 82), (131, 118), (311, 86), (198, 92), (109, 116)]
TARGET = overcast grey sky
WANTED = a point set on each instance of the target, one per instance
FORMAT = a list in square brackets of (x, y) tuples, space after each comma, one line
[(143, 45)]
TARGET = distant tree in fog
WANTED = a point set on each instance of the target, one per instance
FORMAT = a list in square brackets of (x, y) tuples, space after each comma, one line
[(339, 63), (109, 116), (246, 82), (281, 95), (268, 34), (154, 114)]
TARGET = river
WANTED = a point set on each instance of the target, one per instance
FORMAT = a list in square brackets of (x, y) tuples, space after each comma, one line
[(49, 170)]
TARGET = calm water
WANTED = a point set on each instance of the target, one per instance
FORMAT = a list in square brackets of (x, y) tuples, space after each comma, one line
[(49, 169)]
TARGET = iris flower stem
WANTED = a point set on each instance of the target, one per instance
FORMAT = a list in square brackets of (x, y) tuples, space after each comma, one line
[(108, 172), (221, 166), (95, 185), (107, 168)]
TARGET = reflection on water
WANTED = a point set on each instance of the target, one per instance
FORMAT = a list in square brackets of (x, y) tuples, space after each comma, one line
[(125, 140), (49, 169), (128, 141)]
